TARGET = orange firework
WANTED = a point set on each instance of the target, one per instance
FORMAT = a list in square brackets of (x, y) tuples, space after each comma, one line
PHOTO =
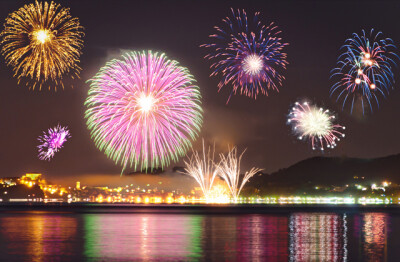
[(42, 43)]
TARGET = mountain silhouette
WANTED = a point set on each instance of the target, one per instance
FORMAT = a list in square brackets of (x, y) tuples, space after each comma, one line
[(333, 171)]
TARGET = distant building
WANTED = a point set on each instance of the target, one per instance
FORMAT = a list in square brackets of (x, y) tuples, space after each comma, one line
[(78, 185), (33, 176)]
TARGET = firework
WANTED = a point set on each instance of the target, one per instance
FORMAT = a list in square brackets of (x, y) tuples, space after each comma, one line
[(52, 141), (42, 43), (219, 193), (229, 170), (202, 168), (247, 54), (364, 70), (315, 124), (143, 109)]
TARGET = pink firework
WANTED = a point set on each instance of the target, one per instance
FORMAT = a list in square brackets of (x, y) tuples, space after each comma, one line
[(52, 141), (143, 109)]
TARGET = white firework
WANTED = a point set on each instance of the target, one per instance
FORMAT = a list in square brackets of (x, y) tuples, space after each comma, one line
[(202, 168), (229, 170), (315, 124)]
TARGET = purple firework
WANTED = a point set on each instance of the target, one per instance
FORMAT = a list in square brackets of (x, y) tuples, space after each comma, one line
[(143, 109), (52, 141), (247, 54)]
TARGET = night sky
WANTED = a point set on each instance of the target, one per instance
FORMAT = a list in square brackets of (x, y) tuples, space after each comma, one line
[(315, 31)]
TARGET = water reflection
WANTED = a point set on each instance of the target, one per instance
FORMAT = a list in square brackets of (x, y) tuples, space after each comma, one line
[(142, 236), (374, 240), (262, 236), (219, 237), (35, 236), (185, 237), (245, 238), (318, 237)]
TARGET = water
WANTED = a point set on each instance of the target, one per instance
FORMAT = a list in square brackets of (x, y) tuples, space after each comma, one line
[(112, 236)]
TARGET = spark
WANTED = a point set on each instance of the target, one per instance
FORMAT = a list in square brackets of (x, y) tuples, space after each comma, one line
[(229, 170), (202, 168)]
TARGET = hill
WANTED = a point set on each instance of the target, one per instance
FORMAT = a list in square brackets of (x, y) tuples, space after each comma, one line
[(333, 171)]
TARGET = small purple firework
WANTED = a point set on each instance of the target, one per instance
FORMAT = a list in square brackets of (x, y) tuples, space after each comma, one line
[(248, 55), (52, 141)]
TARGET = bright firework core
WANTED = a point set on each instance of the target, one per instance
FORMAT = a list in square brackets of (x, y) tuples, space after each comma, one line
[(315, 122), (252, 64), (42, 35), (146, 103)]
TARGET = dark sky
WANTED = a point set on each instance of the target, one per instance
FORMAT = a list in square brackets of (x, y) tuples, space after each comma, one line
[(315, 30)]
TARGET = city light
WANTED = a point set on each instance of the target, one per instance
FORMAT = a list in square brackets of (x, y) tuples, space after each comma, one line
[(152, 194)]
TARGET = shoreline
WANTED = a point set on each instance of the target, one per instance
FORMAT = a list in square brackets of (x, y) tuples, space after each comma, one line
[(193, 208)]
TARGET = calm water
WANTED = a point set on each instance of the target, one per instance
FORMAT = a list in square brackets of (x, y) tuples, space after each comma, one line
[(45, 236)]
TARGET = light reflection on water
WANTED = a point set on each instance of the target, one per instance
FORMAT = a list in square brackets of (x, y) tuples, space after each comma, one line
[(318, 237), (145, 236), (37, 236), (43, 236), (374, 238)]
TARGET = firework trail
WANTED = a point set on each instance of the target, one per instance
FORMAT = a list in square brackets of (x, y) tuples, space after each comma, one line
[(143, 109), (52, 141), (229, 170), (315, 124), (42, 42), (364, 70), (247, 54), (202, 168)]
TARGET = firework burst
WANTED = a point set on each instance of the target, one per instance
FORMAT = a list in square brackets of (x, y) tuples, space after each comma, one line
[(42, 43), (247, 54), (229, 170), (202, 168), (52, 141), (143, 109), (315, 124), (364, 70)]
